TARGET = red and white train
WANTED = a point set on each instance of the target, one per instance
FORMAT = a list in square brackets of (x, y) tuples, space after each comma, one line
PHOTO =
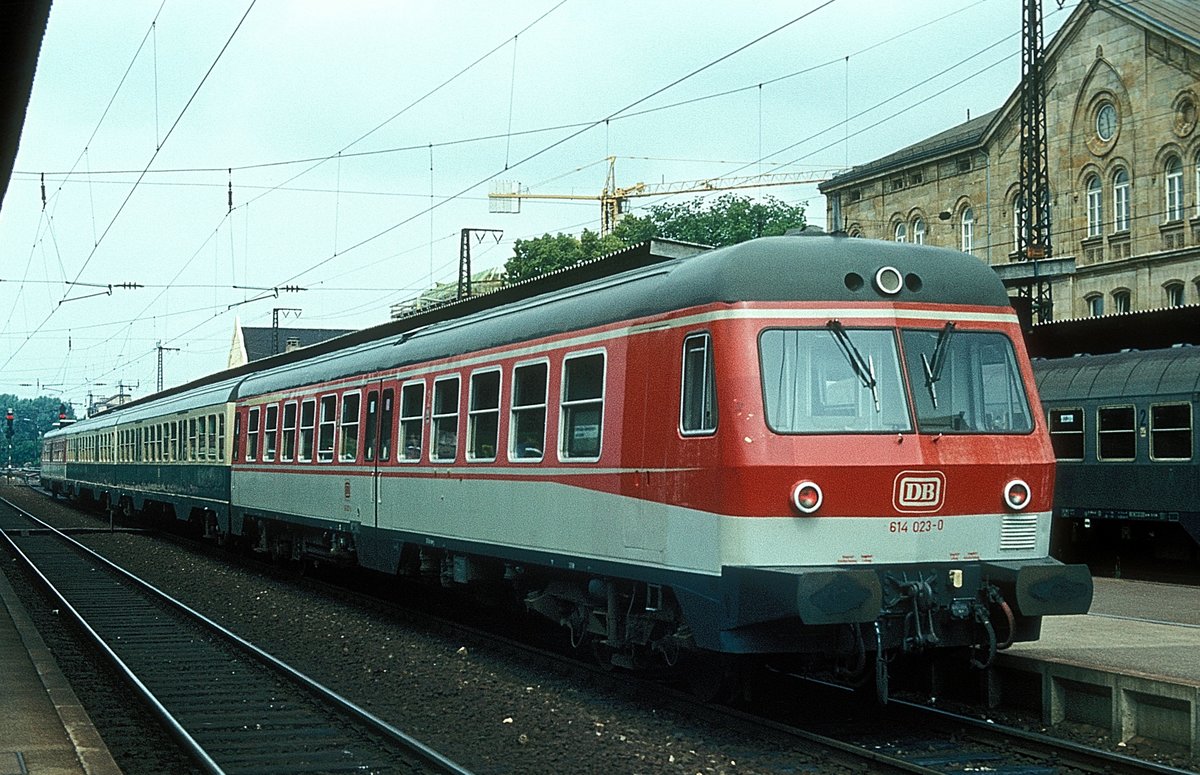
[(818, 447)]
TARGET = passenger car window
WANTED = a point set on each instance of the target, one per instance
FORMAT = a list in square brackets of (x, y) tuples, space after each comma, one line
[(1066, 433), (527, 429), (412, 407), (483, 415), (308, 420), (698, 402), (289, 432), (582, 406), (251, 437), (1171, 431), (444, 419), (271, 432), (1115, 433), (325, 430), (350, 421)]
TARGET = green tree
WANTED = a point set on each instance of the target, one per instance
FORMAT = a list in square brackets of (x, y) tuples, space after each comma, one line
[(725, 220), (547, 253), (32, 417)]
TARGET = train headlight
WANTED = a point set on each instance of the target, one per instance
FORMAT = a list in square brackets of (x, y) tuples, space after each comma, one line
[(807, 497), (1017, 495)]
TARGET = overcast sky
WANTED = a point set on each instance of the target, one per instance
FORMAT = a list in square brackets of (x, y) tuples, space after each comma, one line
[(362, 136)]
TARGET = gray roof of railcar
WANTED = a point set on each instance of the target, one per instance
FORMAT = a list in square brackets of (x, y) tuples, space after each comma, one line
[(805, 268), (1171, 371), (205, 395)]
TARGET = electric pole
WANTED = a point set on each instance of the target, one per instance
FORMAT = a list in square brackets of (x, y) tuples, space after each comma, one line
[(464, 258), (275, 325), (1033, 211), (159, 346)]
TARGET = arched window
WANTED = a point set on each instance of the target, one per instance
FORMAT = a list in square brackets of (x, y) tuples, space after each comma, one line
[(1121, 200), (1174, 293), (1018, 218), (1095, 304), (967, 231), (1095, 207), (901, 233), (1174, 189), (919, 231), (1198, 184), (1121, 301)]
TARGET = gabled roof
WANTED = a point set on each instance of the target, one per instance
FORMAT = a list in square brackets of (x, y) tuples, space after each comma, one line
[(1173, 18), (966, 135), (260, 342), (1177, 19)]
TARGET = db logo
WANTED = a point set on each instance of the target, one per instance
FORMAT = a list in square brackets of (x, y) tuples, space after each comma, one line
[(919, 491)]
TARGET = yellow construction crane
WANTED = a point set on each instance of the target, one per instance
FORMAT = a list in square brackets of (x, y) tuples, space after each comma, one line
[(506, 196)]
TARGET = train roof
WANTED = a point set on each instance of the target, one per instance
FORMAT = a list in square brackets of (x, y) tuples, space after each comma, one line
[(654, 277), (835, 269), (212, 394), (1169, 371)]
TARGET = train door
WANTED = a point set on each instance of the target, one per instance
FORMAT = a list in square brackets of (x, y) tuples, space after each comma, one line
[(377, 441)]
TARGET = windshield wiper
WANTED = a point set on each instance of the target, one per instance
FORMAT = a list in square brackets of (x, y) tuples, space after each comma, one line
[(933, 370), (863, 367)]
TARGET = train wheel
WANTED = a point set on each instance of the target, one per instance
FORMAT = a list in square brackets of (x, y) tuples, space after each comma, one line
[(603, 654), (710, 677)]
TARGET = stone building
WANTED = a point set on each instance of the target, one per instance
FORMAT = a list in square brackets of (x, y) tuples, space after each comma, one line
[(1122, 90)]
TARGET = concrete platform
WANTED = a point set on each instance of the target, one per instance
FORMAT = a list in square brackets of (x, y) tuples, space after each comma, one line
[(43, 728), (1131, 666)]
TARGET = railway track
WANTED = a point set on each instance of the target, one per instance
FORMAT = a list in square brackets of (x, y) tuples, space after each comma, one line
[(936, 740), (847, 736), (230, 705)]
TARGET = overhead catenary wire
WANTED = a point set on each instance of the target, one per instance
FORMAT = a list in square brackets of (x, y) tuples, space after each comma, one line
[(424, 146), (153, 156)]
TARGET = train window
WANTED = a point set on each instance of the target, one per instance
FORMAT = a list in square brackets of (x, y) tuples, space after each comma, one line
[(325, 430), (220, 443), (193, 445), (288, 453), (444, 439), (483, 415), (237, 435), (271, 432), (698, 403), (1171, 432), (832, 380), (965, 381), (308, 424), (202, 434), (371, 429), (1066, 433), (527, 429), (251, 435), (582, 419), (412, 418), (350, 421), (1115, 432), (385, 425)]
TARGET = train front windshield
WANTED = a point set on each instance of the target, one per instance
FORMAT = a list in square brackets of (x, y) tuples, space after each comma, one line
[(849, 380)]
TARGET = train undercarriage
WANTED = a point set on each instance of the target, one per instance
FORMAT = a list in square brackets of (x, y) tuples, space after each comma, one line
[(845, 624)]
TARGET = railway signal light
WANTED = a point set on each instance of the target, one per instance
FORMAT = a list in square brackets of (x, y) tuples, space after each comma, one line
[(8, 423)]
